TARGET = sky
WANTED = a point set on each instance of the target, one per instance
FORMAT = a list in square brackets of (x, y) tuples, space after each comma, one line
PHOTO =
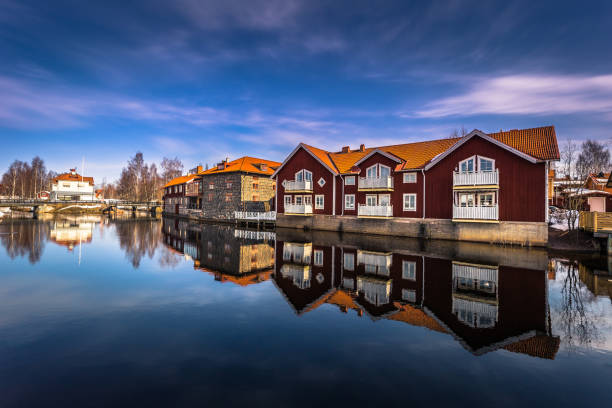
[(202, 80)]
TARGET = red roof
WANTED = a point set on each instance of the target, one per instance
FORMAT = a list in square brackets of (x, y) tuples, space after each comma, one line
[(73, 177)]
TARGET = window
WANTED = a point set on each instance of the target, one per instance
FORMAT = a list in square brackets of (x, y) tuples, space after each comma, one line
[(384, 200), (466, 200), (409, 270), (378, 170), (409, 295), (349, 262), (303, 175), (175, 189), (467, 165), (199, 187), (410, 178), (255, 197), (485, 164), (228, 197), (319, 201), (228, 185), (66, 185), (349, 180), (211, 196), (321, 182), (318, 257), (298, 200), (180, 188), (410, 202), (255, 186), (349, 201), (485, 200), (371, 200), (307, 200), (211, 186), (288, 200)]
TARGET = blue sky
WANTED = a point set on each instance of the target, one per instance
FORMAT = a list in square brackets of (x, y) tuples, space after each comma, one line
[(204, 80)]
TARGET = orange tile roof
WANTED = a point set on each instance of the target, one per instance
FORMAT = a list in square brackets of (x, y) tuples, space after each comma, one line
[(539, 143), (416, 317), (537, 346), (180, 180), (246, 164), (73, 177)]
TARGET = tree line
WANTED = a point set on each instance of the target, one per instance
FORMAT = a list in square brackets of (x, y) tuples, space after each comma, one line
[(26, 180)]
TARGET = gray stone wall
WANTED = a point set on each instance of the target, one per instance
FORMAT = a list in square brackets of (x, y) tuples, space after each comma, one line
[(235, 192)]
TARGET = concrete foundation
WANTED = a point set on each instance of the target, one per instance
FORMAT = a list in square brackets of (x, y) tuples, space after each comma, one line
[(503, 232)]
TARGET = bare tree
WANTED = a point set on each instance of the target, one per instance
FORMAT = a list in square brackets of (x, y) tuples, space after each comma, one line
[(171, 168), (594, 158), (458, 132), (567, 157)]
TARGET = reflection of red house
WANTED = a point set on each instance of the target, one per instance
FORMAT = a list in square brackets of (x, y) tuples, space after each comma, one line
[(484, 307)]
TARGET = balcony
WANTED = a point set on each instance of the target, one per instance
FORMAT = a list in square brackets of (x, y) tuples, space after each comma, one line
[(375, 210), (298, 186), (376, 292), (475, 314), (297, 253), (298, 209), (476, 178), (376, 263), (299, 275), (489, 213), (375, 183)]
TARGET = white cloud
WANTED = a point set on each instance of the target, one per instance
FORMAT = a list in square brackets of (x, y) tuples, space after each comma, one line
[(527, 95)]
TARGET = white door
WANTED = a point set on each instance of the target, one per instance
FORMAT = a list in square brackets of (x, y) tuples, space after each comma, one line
[(384, 172), (371, 200), (597, 204), (384, 199)]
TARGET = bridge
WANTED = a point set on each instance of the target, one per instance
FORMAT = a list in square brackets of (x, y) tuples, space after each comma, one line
[(104, 206)]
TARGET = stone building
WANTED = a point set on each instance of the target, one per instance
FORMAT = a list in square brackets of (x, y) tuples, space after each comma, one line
[(243, 184)]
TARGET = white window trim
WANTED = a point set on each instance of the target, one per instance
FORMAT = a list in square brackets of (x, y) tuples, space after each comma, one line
[(322, 206), (404, 263), (465, 160), (288, 200), (486, 158), (303, 172), (352, 263), (383, 195), (345, 202), (375, 199), (316, 254), (321, 182), (309, 197), (346, 180), (404, 202), (409, 181), (378, 166)]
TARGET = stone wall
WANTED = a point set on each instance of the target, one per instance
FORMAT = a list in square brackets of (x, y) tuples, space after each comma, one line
[(235, 192), (505, 232)]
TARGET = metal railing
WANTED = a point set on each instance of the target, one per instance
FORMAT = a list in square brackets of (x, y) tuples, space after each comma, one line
[(255, 216), (298, 208), (476, 178), (293, 185), (376, 183), (375, 210), (476, 213)]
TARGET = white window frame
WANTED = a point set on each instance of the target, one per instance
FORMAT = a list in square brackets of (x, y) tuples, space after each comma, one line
[(377, 172), (349, 180), (317, 205), (318, 257), (480, 158), (321, 182), (409, 295), (369, 196), (288, 200), (349, 266), (307, 200), (303, 173), (412, 269), (298, 200), (466, 160), (349, 204), (410, 178), (384, 195), (404, 202), (492, 194)]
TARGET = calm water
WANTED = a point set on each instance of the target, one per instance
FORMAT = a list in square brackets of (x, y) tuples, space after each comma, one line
[(145, 312)]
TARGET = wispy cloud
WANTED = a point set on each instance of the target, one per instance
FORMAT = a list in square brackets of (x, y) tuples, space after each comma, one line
[(527, 95)]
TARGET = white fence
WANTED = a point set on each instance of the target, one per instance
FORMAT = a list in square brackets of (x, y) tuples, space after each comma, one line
[(255, 235), (298, 208), (476, 213), (255, 216), (375, 210), (376, 183), (293, 185), (476, 178)]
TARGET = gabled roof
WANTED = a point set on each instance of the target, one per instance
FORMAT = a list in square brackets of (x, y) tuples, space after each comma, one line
[(246, 164), (73, 177), (322, 156)]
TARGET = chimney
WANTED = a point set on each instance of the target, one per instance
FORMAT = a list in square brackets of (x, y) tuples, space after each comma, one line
[(346, 149), (73, 171), (199, 169), (362, 147)]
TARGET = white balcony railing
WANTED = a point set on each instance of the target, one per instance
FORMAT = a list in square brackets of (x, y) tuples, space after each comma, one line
[(298, 209), (476, 178), (476, 213), (383, 183), (255, 216), (297, 253), (293, 185), (375, 210)]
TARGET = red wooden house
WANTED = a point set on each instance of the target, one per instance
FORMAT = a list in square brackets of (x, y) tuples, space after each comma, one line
[(492, 178)]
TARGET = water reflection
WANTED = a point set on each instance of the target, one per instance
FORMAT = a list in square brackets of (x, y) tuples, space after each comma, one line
[(24, 238)]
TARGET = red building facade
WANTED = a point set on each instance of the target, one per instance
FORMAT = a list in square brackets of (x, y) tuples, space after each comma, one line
[(476, 178)]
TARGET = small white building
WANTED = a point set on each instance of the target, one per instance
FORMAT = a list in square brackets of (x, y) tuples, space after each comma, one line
[(72, 187)]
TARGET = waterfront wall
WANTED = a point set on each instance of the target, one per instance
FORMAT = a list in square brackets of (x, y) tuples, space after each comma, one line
[(503, 232)]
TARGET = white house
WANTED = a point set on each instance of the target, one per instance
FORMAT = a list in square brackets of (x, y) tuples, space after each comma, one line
[(72, 186)]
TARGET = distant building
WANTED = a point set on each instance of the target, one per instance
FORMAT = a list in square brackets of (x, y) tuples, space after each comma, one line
[(72, 186), (183, 192), (243, 184)]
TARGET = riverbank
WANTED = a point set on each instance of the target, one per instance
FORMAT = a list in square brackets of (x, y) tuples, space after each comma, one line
[(575, 241)]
